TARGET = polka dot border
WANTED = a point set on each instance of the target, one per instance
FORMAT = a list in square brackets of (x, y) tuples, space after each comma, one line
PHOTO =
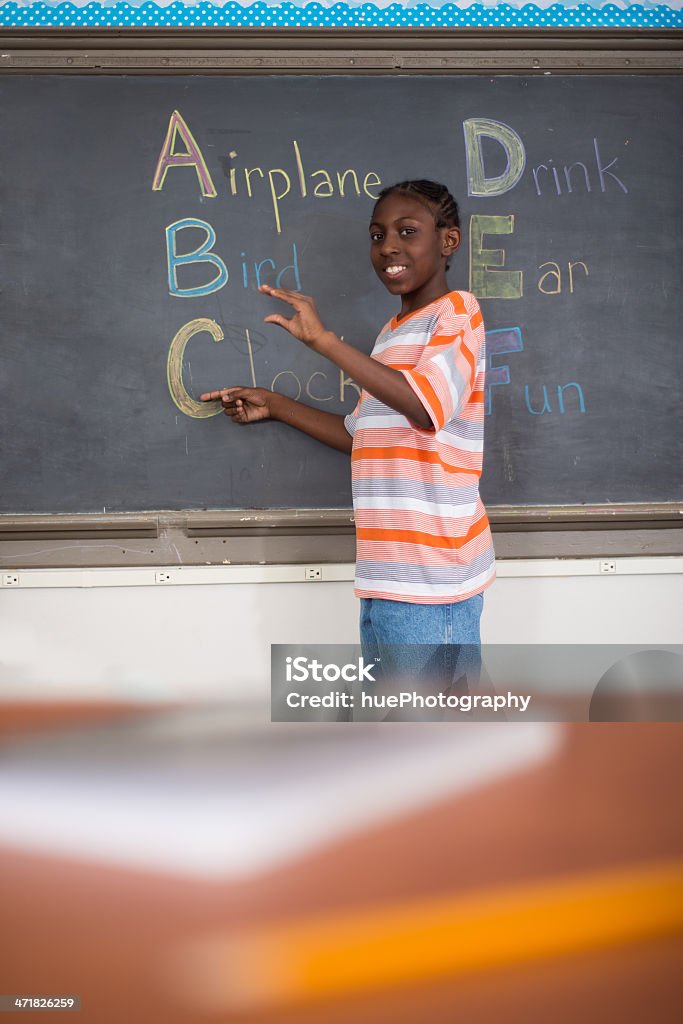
[(314, 15)]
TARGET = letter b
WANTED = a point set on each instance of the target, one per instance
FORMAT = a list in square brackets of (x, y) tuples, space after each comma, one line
[(202, 254)]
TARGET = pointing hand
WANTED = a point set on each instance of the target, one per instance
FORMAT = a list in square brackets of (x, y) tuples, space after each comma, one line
[(306, 324), (243, 405)]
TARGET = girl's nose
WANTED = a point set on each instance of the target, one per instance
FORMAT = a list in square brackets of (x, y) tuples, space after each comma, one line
[(389, 245)]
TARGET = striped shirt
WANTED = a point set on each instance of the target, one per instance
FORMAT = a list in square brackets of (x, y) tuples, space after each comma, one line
[(421, 528)]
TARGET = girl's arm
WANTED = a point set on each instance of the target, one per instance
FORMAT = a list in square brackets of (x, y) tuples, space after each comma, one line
[(385, 383), (247, 405)]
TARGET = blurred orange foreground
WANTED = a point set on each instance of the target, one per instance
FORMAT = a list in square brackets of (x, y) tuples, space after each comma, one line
[(606, 807)]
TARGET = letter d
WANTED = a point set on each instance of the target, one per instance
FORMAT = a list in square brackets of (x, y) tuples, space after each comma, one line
[(292, 266), (477, 182)]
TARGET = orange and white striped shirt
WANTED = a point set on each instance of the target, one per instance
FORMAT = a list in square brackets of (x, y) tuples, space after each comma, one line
[(422, 532)]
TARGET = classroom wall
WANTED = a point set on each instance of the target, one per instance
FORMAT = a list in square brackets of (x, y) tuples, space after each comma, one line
[(185, 642), (213, 641)]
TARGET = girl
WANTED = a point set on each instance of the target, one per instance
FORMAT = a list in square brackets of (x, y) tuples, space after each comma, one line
[(424, 549)]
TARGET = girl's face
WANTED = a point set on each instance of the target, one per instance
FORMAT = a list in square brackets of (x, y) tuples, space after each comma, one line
[(409, 252)]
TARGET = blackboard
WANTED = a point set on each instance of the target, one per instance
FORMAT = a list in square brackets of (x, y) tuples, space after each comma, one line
[(581, 297)]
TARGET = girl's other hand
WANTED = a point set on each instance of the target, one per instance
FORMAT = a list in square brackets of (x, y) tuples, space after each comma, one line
[(243, 405), (305, 325)]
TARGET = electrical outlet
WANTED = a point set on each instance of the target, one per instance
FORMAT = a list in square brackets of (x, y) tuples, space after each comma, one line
[(163, 577), (608, 565), (313, 572), (10, 579)]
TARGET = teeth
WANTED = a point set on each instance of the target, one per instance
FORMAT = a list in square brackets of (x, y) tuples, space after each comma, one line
[(394, 270)]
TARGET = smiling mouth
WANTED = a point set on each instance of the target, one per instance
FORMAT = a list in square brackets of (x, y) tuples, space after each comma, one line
[(395, 269)]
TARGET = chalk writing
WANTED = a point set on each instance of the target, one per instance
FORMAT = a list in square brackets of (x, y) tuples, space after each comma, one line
[(485, 282), (489, 277), (603, 172), (546, 176), (478, 184), (192, 157), (554, 276), (321, 183), (286, 381), (508, 340), (174, 369), (546, 406), (499, 342), (204, 253)]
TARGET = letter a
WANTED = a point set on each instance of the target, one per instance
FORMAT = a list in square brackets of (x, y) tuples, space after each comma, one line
[(477, 182), (191, 158)]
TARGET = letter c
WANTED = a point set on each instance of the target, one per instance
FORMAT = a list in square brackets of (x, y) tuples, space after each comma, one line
[(318, 373), (174, 369)]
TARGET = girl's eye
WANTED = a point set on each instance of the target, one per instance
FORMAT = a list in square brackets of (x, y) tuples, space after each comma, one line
[(375, 236), (407, 231)]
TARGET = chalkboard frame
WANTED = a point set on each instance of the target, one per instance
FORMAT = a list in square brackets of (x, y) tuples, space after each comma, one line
[(335, 51), (283, 535)]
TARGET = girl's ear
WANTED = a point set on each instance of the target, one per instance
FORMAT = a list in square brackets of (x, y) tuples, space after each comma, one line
[(451, 240)]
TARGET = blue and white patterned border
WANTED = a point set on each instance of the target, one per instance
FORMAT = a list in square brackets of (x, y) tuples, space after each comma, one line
[(384, 14)]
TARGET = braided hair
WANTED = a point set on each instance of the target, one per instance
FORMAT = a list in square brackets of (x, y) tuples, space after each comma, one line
[(435, 197)]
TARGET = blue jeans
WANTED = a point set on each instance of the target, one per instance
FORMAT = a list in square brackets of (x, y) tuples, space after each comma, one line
[(435, 645)]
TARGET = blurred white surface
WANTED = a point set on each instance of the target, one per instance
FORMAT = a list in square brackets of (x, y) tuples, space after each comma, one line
[(191, 794)]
